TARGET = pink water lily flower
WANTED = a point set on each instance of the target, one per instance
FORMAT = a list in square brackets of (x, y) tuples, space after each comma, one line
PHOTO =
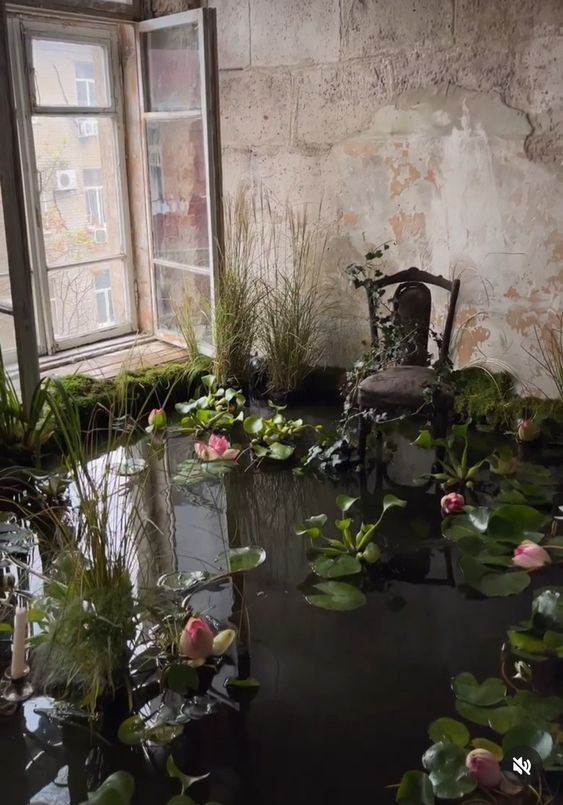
[(527, 431), (218, 448), (530, 556), (198, 641), (157, 418), (484, 767), (452, 503)]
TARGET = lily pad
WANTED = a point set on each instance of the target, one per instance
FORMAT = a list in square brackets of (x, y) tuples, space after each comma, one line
[(131, 732), (181, 678), (334, 567), (117, 789), (529, 736), (490, 746), (511, 521), (503, 584), (448, 729), (467, 689), (237, 560), (415, 789), (448, 774), (335, 595)]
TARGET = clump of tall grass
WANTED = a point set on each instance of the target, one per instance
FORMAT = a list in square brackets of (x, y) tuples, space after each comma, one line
[(549, 341), (238, 298), (295, 305), (91, 597)]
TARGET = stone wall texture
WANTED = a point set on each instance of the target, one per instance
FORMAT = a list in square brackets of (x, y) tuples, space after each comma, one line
[(437, 124)]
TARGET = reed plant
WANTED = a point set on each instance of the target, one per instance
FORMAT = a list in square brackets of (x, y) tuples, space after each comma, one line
[(91, 604), (549, 356), (295, 303), (238, 299)]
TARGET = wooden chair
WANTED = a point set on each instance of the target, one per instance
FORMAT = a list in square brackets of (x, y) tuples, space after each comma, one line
[(402, 387)]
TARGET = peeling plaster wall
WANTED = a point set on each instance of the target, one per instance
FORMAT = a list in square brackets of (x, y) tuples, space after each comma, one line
[(436, 123)]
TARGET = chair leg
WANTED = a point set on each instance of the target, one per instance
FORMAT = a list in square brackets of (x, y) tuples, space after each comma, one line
[(364, 428)]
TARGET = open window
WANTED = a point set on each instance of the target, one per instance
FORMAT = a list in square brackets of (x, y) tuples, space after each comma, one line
[(182, 148), (89, 267)]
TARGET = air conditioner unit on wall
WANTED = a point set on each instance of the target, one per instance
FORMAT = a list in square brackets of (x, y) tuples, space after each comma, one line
[(100, 234), (66, 180)]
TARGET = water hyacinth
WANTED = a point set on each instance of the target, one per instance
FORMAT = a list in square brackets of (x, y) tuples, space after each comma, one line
[(453, 503), (218, 448), (484, 767), (530, 556)]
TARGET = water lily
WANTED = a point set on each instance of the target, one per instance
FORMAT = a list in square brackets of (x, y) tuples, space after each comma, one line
[(527, 431), (484, 767), (157, 418), (530, 556), (198, 642), (452, 503), (218, 448)]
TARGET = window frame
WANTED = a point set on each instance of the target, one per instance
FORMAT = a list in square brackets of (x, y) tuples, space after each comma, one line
[(96, 8), (22, 29), (205, 18)]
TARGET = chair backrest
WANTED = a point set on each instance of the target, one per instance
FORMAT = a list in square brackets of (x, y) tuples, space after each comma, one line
[(412, 306), (415, 305)]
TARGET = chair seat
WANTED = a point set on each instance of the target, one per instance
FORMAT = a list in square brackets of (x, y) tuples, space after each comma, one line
[(399, 386)]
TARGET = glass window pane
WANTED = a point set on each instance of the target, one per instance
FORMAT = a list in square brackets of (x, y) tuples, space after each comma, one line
[(87, 299), (80, 205), (7, 333), (178, 290), (172, 73), (178, 191), (70, 73)]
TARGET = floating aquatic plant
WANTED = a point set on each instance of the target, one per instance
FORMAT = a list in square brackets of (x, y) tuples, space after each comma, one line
[(456, 473), (275, 437), (219, 409)]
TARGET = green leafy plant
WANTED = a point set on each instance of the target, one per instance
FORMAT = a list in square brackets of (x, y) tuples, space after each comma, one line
[(489, 537), (457, 473), (541, 636), (275, 437), (117, 789), (343, 556), (549, 356), (219, 409), (522, 717), (23, 433), (520, 481)]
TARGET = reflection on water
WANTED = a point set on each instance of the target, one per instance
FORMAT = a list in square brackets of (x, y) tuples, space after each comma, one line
[(345, 698)]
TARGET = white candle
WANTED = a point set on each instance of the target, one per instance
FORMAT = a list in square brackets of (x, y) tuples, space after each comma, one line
[(18, 666)]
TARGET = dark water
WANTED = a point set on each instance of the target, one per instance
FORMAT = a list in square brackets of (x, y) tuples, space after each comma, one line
[(345, 698)]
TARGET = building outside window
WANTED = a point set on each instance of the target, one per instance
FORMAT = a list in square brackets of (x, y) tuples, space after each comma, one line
[(85, 84), (94, 196), (104, 301)]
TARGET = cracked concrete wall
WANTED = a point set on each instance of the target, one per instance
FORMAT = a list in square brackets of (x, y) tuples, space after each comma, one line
[(435, 123)]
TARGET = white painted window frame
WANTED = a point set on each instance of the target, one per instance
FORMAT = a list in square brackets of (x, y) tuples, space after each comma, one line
[(206, 28), (22, 28)]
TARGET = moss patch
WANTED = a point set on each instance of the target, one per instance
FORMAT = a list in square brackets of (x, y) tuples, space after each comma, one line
[(131, 391), (491, 398)]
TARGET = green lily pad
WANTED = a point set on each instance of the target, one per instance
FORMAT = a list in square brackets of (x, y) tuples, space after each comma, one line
[(415, 789), (526, 642), (238, 560), (448, 729), (132, 731), (540, 709), (503, 584), (490, 746), (467, 689), (335, 595), (448, 774), (527, 735), (328, 567), (181, 678), (117, 789), (511, 521)]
